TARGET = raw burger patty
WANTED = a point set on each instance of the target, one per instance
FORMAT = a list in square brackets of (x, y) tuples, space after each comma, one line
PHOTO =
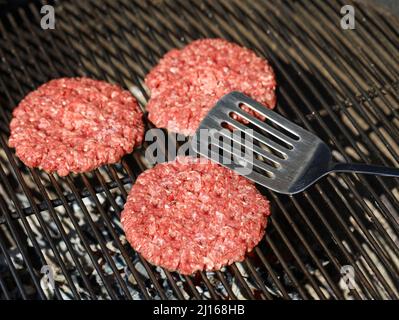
[(187, 83), (75, 125), (188, 216)]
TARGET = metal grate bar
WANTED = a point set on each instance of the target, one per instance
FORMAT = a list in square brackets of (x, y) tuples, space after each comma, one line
[(229, 291), (205, 35), (112, 265), (235, 270), (111, 228), (376, 32), (369, 64), (272, 273), (46, 232), (17, 205), (296, 256), (306, 244), (266, 264), (324, 45), (68, 244), (21, 244), (206, 282), (386, 143), (290, 274), (329, 132), (41, 222), (10, 265), (44, 205), (4, 289), (298, 232), (375, 63), (78, 198), (258, 279), (159, 290)]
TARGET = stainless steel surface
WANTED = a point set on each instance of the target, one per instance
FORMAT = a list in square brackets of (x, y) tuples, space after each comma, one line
[(277, 153)]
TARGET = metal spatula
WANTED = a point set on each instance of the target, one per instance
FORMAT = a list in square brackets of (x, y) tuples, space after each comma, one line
[(275, 153)]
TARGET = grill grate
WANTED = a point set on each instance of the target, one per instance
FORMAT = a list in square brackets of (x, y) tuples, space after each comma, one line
[(341, 84)]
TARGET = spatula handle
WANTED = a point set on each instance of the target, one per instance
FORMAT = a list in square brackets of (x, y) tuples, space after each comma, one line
[(365, 168)]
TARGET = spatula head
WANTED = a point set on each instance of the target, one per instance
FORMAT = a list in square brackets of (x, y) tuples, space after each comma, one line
[(273, 152)]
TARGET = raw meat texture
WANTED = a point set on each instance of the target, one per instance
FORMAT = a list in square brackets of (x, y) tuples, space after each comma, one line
[(75, 125), (187, 83), (187, 215)]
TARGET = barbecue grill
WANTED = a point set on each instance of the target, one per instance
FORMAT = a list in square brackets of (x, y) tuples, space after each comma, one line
[(61, 238)]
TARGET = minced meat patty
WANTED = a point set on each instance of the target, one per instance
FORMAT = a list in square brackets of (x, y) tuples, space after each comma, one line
[(75, 125), (187, 83), (191, 214)]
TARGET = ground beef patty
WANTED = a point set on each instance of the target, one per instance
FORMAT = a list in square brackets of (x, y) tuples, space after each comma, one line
[(75, 125), (188, 82), (187, 216)]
